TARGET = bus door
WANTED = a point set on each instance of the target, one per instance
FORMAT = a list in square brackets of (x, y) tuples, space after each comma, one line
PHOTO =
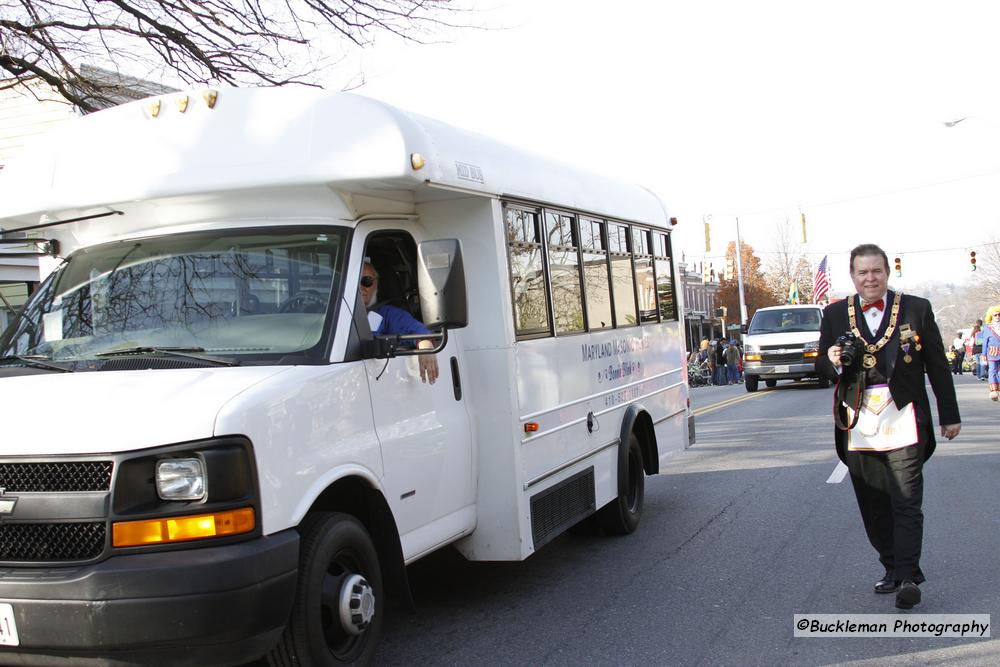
[(424, 429)]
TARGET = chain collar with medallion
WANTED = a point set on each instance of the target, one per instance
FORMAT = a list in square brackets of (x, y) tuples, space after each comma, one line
[(868, 361)]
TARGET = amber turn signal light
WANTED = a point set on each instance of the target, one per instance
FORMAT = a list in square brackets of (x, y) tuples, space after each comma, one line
[(183, 528)]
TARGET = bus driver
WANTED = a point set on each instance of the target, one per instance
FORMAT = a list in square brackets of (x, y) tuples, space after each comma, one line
[(390, 320)]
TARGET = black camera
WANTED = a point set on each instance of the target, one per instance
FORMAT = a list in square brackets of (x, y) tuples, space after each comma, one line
[(851, 348)]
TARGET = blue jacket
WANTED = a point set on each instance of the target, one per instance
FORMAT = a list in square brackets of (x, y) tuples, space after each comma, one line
[(396, 321)]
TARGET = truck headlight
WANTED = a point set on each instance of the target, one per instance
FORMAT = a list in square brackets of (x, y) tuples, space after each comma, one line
[(811, 350), (751, 353), (181, 479)]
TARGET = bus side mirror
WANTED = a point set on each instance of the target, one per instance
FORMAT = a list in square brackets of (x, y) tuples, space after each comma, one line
[(441, 281), (744, 328)]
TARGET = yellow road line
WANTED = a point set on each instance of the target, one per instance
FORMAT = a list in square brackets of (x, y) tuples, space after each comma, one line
[(722, 404)]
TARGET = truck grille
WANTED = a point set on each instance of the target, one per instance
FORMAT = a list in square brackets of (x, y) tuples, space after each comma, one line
[(782, 358), (20, 542), (56, 476)]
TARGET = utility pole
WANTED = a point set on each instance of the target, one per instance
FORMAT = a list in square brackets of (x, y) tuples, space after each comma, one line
[(739, 274)]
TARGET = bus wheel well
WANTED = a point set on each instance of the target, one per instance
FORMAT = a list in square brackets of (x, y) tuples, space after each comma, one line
[(643, 429), (355, 496)]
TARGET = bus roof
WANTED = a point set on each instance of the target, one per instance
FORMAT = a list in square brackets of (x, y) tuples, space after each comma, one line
[(247, 139)]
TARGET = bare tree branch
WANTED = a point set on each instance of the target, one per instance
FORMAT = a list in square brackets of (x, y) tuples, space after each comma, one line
[(272, 42)]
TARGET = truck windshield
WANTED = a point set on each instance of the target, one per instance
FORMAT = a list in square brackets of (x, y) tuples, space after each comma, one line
[(775, 321), (258, 295)]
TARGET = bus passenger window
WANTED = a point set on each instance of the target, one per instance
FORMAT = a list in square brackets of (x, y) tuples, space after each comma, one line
[(664, 279), (596, 282), (622, 279), (527, 276), (564, 265), (644, 280)]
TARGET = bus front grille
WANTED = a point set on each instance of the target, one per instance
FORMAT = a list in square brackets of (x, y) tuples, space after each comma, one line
[(55, 476), (51, 542)]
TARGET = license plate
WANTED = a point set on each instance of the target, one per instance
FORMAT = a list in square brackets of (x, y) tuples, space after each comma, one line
[(781, 369), (8, 628)]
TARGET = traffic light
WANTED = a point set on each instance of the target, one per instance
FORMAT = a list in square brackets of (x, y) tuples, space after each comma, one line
[(972, 259), (730, 268), (706, 272), (899, 267), (708, 238), (803, 216)]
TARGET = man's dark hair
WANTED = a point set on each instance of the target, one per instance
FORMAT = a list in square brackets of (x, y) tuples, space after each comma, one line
[(869, 249)]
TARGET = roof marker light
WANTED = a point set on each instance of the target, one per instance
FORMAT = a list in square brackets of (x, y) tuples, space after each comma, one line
[(211, 97), (417, 161), (154, 108), (182, 103)]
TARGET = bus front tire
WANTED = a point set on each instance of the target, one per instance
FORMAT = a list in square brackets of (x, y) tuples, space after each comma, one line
[(621, 516), (337, 615)]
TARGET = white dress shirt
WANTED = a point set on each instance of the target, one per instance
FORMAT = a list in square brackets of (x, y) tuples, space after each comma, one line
[(873, 316)]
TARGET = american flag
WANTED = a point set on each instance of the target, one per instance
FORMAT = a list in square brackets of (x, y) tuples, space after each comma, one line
[(821, 283)]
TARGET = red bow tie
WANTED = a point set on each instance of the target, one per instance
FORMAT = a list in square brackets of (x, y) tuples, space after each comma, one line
[(880, 305)]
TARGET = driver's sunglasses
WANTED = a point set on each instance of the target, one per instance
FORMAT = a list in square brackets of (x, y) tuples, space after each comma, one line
[(367, 281)]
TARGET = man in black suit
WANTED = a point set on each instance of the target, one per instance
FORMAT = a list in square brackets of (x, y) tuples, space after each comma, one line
[(882, 413)]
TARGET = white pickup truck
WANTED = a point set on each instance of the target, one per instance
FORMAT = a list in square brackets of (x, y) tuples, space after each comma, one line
[(782, 343)]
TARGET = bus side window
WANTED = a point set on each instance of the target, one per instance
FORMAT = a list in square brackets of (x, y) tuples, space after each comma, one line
[(527, 273)]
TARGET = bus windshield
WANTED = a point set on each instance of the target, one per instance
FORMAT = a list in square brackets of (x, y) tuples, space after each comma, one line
[(255, 295)]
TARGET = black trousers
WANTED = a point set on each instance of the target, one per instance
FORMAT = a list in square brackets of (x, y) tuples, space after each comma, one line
[(889, 487)]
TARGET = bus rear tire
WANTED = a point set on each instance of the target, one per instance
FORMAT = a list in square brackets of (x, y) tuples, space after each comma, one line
[(750, 382), (337, 615), (621, 516)]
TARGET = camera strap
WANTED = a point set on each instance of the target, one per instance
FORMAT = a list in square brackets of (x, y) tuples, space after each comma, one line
[(849, 394)]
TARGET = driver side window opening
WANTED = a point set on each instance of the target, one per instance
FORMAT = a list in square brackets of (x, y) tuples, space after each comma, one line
[(393, 254)]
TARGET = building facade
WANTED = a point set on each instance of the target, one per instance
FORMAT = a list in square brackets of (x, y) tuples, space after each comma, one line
[(701, 316)]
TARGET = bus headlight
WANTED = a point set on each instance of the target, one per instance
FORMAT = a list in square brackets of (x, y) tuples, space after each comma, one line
[(811, 350), (181, 479), (751, 353)]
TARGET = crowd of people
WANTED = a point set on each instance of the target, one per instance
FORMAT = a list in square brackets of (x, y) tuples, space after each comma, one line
[(719, 362), (979, 352)]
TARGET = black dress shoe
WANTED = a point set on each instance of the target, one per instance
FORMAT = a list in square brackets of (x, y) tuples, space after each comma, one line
[(887, 584), (907, 595)]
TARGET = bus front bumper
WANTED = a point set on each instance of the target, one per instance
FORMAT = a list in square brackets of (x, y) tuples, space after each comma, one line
[(204, 606)]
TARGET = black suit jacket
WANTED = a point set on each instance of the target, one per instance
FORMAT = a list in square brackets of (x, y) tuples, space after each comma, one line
[(906, 380)]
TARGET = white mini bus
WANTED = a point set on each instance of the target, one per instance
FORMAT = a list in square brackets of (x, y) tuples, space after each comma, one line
[(222, 435)]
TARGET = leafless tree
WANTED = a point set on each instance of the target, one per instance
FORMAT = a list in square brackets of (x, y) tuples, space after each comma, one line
[(250, 42), (787, 263), (988, 268)]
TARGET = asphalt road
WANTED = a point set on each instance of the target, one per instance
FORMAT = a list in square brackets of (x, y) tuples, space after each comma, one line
[(740, 532)]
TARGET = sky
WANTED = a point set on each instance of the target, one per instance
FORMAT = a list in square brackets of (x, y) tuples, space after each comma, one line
[(759, 111)]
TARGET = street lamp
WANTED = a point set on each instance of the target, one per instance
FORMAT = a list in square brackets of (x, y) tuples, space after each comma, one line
[(978, 119)]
